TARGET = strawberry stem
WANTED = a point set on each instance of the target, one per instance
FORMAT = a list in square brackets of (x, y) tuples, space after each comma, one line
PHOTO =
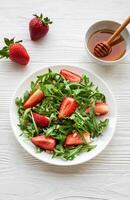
[(19, 41)]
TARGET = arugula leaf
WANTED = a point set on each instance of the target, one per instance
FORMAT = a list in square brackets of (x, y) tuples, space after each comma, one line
[(18, 101), (33, 86), (70, 154), (26, 95)]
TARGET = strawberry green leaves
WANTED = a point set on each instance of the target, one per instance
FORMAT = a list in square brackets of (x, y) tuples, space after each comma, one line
[(45, 20)]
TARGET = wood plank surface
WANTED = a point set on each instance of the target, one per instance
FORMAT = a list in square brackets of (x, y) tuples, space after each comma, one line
[(106, 177)]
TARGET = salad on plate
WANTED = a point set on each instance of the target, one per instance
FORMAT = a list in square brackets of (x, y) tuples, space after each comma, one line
[(61, 114)]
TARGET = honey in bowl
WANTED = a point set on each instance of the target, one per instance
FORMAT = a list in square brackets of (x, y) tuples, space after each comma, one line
[(118, 46)]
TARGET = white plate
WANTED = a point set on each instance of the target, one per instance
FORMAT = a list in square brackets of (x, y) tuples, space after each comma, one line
[(101, 141)]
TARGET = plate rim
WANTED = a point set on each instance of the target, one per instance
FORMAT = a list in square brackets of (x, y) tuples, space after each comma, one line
[(33, 153)]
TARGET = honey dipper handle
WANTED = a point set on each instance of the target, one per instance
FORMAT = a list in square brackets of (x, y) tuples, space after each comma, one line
[(119, 29)]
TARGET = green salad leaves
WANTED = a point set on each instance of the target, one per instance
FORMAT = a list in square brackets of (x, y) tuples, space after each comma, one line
[(55, 88)]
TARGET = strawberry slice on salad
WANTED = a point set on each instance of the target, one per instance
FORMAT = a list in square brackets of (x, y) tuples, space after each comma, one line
[(41, 141), (77, 139), (70, 76), (34, 99), (67, 108), (41, 120), (99, 109)]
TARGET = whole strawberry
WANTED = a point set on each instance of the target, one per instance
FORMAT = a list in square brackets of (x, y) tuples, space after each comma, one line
[(15, 51), (38, 27)]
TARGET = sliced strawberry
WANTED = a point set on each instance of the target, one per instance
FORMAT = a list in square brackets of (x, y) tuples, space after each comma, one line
[(87, 137), (41, 120), (41, 141), (34, 99), (76, 139), (68, 106), (87, 110), (70, 76), (100, 109)]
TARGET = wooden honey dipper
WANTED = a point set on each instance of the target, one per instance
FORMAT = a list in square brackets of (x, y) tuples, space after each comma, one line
[(104, 48)]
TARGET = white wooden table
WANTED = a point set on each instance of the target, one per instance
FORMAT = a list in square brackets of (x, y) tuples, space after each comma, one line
[(107, 177)]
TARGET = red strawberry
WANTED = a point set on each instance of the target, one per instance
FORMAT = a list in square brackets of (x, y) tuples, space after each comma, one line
[(34, 99), (15, 51), (76, 139), (39, 27), (100, 108), (41, 141), (41, 120), (68, 106), (70, 76)]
